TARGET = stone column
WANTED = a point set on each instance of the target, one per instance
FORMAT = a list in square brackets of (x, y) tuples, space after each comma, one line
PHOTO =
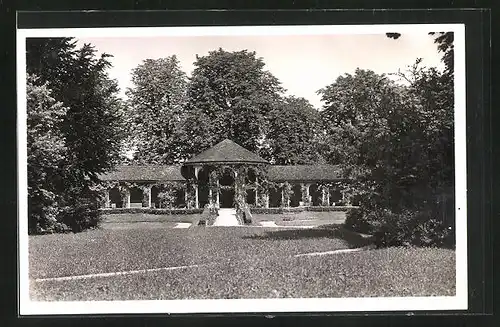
[(323, 196), (149, 195), (196, 203), (218, 194), (308, 194), (282, 196), (128, 198), (327, 196), (196, 171), (267, 200), (305, 189), (186, 190), (256, 193), (106, 199)]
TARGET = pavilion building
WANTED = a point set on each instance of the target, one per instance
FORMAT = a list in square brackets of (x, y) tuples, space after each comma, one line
[(223, 175)]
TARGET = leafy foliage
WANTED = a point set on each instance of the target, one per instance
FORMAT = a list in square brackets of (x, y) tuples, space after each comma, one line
[(156, 103), (444, 40), (405, 228), (397, 141), (46, 151), (91, 127), (229, 96), (293, 132), (167, 194)]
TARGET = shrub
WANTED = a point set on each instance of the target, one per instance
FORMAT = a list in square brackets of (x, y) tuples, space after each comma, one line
[(359, 220), (299, 209), (208, 215), (266, 210), (330, 208), (82, 215), (153, 211), (404, 228), (42, 212), (246, 215)]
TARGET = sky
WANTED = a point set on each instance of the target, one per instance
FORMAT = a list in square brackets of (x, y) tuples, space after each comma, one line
[(303, 63)]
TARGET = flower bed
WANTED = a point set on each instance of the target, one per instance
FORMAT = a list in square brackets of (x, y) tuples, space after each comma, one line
[(152, 211)]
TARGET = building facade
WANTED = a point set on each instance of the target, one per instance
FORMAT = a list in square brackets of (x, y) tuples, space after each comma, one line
[(224, 176)]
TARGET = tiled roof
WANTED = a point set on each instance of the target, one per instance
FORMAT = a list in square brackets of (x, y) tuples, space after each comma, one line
[(276, 173), (144, 173), (226, 152), (305, 173)]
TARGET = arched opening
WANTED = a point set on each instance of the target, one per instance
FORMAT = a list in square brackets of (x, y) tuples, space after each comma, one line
[(251, 176), (115, 198), (296, 195), (335, 195), (136, 197), (251, 198), (203, 187), (316, 195), (227, 178), (155, 201), (180, 196), (226, 191), (275, 197)]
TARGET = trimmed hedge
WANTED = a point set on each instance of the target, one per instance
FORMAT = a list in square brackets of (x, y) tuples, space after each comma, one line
[(275, 210), (331, 208), (152, 211), (300, 209)]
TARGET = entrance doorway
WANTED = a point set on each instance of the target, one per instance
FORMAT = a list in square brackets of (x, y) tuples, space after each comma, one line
[(227, 198)]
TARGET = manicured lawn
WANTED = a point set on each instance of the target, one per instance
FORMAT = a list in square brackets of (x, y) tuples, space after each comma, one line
[(237, 262), (305, 218)]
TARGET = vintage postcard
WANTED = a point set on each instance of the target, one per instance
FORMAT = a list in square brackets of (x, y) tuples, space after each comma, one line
[(242, 169)]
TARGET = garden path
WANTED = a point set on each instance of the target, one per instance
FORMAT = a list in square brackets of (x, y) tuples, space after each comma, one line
[(226, 217)]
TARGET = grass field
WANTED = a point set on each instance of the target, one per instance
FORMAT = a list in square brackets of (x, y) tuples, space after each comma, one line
[(304, 218), (234, 262)]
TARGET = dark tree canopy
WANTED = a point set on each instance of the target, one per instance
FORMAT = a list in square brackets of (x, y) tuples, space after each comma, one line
[(398, 139), (45, 154), (294, 127), (229, 96), (156, 110), (92, 126), (444, 40), (356, 110)]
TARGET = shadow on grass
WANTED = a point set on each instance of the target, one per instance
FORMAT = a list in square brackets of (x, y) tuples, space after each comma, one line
[(326, 231)]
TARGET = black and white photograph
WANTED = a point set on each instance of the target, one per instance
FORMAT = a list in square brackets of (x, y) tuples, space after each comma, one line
[(242, 169)]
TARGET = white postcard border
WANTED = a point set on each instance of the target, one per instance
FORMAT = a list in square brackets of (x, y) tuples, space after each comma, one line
[(457, 302)]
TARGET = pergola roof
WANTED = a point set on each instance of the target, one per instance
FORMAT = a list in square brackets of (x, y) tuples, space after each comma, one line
[(226, 152), (136, 173), (305, 173), (298, 173)]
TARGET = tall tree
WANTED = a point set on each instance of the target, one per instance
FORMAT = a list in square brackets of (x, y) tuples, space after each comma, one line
[(156, 103), (230, 94), (444, 40), (356, 112), (398, 140), (92, 126), (46, 151), (294, 127)]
